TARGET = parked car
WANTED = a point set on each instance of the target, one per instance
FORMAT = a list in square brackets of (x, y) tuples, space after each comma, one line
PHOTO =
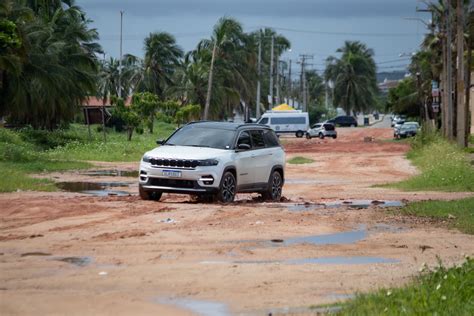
[(398, 120), (322, 130), (343, 120), (216, 159), (281, 122), (408, 129)]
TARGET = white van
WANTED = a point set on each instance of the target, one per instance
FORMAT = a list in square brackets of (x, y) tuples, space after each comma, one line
[(286, 121)]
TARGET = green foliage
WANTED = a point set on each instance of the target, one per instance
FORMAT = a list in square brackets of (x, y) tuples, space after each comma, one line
[(8, 35), (145, 104), (55, 67), (443, 167), (354, 77), (458, 213), (129, 115), (320, 113), (188, 113), (403, 99), (441, 291), (300, 160)]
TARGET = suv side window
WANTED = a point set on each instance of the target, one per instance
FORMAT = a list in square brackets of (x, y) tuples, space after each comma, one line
[(271, 140), (257, 138), (244, 138)]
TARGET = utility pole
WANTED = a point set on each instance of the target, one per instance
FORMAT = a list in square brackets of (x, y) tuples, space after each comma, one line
[(120, 60), (259, 73), (290, 93), (271, 73), (277, 99), (303, 79), (449, 62), (461, 122)]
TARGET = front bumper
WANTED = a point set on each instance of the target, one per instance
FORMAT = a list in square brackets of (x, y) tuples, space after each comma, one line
[(191, 180)]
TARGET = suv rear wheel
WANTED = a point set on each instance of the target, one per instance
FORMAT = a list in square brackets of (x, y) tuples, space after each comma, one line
[(227, 188), (149, 195), (275, 185), (321, 135), (308, 136), (299, 134)]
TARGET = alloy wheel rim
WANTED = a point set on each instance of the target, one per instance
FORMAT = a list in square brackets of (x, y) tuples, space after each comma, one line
[(276, 186), (228, 188)]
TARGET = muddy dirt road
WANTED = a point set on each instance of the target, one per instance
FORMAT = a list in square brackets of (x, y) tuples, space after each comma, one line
[(81, 254)]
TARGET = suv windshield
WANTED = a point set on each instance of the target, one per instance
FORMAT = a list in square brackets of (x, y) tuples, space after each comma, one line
[(202, 137)]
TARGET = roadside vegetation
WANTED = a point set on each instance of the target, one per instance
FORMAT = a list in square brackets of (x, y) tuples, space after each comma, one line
[(443, 165), (28, 151), (300, 160), (441, 291), (458, 213)]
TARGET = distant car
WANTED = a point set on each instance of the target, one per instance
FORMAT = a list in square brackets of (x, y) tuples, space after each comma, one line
[(408, 129), (343, 120), (322, 130), (398, 120)]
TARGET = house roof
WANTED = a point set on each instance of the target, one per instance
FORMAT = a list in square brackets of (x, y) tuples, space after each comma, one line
[(98, 102)]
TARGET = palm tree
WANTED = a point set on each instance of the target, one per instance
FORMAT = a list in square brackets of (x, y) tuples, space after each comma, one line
[(226, 36), (353, 76), (162, 58)]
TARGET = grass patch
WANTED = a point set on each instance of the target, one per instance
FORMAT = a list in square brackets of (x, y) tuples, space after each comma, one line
[(444, 167), (300, 160), (439, 292), (117, 148), (458, 213)]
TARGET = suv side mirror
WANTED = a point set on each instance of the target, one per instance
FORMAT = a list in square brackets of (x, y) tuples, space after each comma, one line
[(160, 141), (243, 147)]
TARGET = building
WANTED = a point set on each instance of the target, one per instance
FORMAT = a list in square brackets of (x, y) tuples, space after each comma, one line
[(386, 85), (93, 106)]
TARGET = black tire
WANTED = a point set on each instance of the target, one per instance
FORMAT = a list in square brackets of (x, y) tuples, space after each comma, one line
[(149, 195), (308, 136), (275, 184), (299, 134), (321, 135), (227, 189), (335, 136)]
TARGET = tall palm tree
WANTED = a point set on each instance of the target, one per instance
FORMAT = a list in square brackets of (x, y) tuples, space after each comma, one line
[(162, 58), (353, 75), (226, 36)]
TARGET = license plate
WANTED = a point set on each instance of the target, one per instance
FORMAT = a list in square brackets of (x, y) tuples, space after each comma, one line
[(172, 173)]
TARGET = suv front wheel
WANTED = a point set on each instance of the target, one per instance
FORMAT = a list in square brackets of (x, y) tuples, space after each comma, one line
[(227, 188), (149, 195), (275, 185)]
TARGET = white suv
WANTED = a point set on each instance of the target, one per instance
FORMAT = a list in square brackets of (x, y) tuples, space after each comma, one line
[(214, 158)]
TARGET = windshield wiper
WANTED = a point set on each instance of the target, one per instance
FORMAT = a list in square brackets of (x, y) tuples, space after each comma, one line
[(198, 146)]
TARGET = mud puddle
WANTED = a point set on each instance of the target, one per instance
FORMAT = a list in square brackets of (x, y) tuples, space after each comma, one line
[(76, 261), (359, 204), (94, 188), (111, 173), (199, 307), (337, 260), (35, 253), (340, 238)]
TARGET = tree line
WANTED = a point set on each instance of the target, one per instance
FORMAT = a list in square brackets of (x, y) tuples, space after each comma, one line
[(50, 62)]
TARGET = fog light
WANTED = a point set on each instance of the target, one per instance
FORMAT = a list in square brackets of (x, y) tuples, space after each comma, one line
[(207, 179)]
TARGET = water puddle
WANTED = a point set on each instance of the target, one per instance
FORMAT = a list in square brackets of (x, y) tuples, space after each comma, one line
[(35, 253), (359, 204), (341, 238), (314, 181), (111, 173), (300, 310), (94, 188), (200, 307), (77, 261), (349, 237)]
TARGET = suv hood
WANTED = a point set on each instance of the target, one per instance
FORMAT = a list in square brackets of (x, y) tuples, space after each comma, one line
[(186, 152)]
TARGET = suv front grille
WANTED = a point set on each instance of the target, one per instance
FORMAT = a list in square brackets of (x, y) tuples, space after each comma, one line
[(173, 183), (177, 163)]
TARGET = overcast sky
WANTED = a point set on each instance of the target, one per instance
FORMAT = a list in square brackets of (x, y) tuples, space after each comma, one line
[(316, 27)]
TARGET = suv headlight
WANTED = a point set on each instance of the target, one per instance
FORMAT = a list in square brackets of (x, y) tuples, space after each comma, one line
[(146, 159), (208, 162)]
